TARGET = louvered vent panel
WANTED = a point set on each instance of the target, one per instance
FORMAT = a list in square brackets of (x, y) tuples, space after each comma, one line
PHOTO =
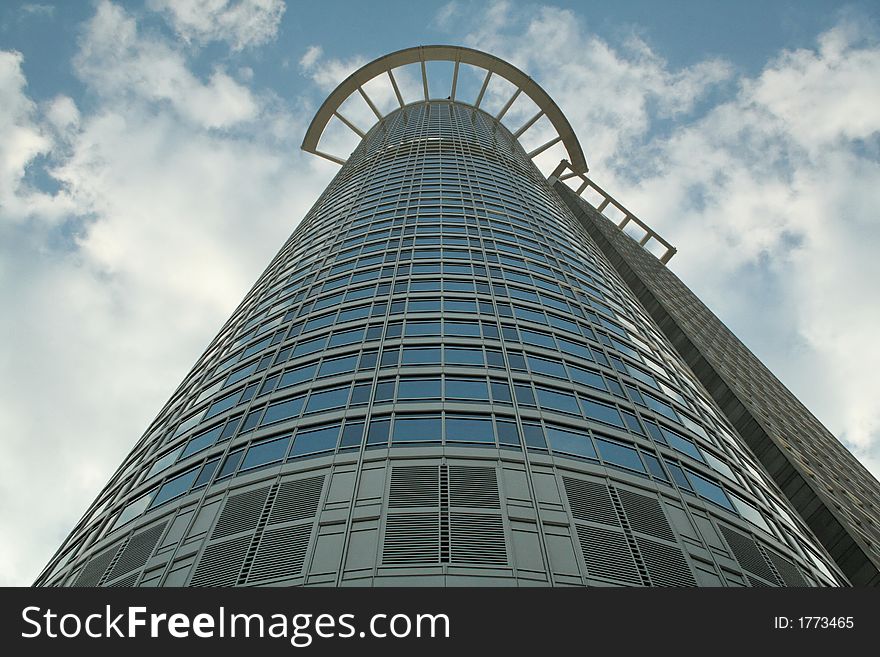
[(747, 554), (787, 570), (241, 513), (478, 539), (126, 581), (297, 500), (607, 554), (665, 563), (281, 552), (756, 583), (590, 501), (474, 487), (93, 571), (412, 538), (414, 485), (221, 563), (138, 550), (645, 514)]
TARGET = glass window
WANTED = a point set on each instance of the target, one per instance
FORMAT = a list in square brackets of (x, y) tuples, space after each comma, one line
[(241, 373), (326, 399), (632, 423), (361, 394), (164, 463), (709, 490), (750, 513), (338, 365), (548, 367), (420, 429), (203, 440), (681, 444), (347, 337), (469, 389), (587, 378), (266, 451), (416, 329), (557, 401), (540, 339), (463, 356), (469, 429), (655, 467), (320, 439), (534, 435), (570, 442), (617, 454), (421, 356), (601, 412), (283, 410), (223, 404), (424, 305), (678, 476), (508, 433), (309, 347), (299, 375), (378, 433), (455, 306), (175, 487), (207, 472), (524, 395), (658, 406), (134, 509), (500, 392), (352, 435), (384, 391), (461, 329), (419, 389)]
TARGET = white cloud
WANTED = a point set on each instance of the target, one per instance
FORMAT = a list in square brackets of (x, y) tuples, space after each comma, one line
[(24, 140), (241, 24), (167, 220), (770, 193), (156, 71)]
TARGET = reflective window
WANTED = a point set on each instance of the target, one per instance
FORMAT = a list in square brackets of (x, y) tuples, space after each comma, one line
[(175, 487), (338, 365), (617, 454), (463, 356), (469, 429), (508, 434), (419, 389), (601, 412), (417, 428), (557, 401), (421, 356), (310, 441), (201, 441), (326, 399), (709, 490), (570, 442), (283, 410), (467, 389), (266, 451)]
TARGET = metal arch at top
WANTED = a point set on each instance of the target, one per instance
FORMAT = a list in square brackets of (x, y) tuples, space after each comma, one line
[(457, 54)]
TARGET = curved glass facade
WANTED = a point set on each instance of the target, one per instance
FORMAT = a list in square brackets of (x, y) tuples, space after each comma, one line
[(440, 380)]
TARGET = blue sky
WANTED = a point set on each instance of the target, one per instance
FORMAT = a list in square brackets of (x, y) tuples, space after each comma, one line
[(149, 169)]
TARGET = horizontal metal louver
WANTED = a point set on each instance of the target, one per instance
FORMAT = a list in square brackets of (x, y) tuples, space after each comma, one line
[(756, 583), (221, 563), (590, 501), (412, 538), (138, 550), (748, 554), (645, 514), (787, 570), (474, 487), (95, 568), (414, 485), (241, 513), (297, 500), (126, 581), (666, 564), (477, 539), (281, 553), (607, 554)]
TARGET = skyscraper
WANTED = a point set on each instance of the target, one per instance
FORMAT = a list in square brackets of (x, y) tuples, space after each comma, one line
[(454, 373)]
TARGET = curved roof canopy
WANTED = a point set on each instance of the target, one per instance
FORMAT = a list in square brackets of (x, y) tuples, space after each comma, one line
[(457, 54)]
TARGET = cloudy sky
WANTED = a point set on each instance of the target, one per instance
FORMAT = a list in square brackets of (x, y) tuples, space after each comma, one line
[(150, 168)]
